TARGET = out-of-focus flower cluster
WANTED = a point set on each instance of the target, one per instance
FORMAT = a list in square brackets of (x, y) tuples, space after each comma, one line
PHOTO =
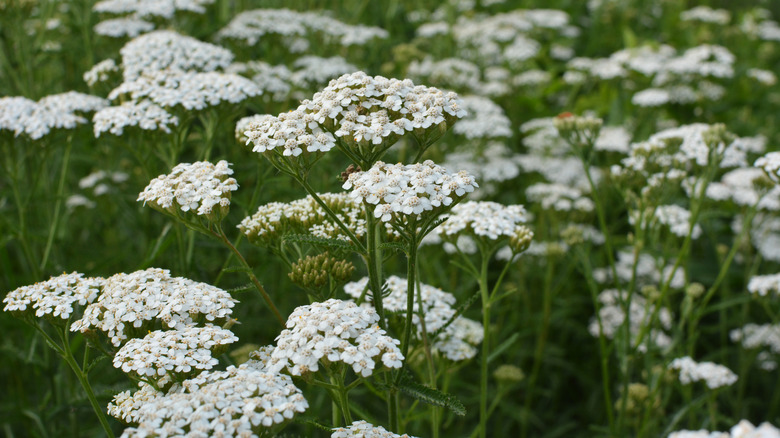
[(37, 119), (714, 375), (273, 221), (460, 337)]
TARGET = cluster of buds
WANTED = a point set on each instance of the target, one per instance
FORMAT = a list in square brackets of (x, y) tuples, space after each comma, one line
[(314, 272), (580, 132)]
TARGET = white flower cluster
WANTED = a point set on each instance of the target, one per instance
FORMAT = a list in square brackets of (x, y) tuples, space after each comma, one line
[(178, 352), (100, 72), (743, 429), (613, 139), (192, 91), (763, 77), (739, 186), (714, 375), (763, 285), (559, 197), (408, 190), (151, 8), (485, 119), (38, 119), (760, 335), (250, 27), (305, 216), (567, 171), (451, 73), (334, 331), (55, 297), (483, 219), (505, 37), (361, 110), (362, 429), (493, 164), (274, 80), (706, 14), (457, 342), (613, 317), (235, 402), (764, 234), (647, 271), (317, 71), (197, 187), (129, 27), (167, 50), (771, 165), (144, 115), (541, 137), (131, 304), (677, 219)]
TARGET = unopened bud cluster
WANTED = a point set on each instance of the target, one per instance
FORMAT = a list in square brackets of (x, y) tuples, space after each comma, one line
[(313, 272), (578, 130)]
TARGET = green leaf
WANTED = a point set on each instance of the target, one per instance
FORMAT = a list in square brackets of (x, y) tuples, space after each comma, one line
[(504, 345), (319, 241), (458, 312), (397, 246), (236, 268), (311, 421), (244, 288), (431, 396)]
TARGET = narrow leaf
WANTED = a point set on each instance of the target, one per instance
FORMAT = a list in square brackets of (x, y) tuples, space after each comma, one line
[(504, 345), (458, 312), (244, 288), (320, 241), (431, 396)]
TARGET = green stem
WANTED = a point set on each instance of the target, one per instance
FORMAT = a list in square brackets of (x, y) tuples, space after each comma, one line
[(57, 204), (65, 352), (220, 233), (483, 363)]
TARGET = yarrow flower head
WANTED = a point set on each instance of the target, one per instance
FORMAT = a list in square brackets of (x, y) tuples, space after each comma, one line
[(197, 187), (714, 375), (144, 115), (37, 119), (771, 165), (363, 429), (458, 341), (273, 221), (485, 220), (167, 356), (407, 192), (54, 298), (240, 401), (334, 331), (763, 285), (132, 304), (366, 114)]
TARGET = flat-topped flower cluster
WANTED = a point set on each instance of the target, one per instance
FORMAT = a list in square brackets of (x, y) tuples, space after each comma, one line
[(240, 401), (57, 111), (360, 110), (55, 297), (276, 219), (408, 190), (131, 304), (334, 331), (197, 187), (178, 352), (714, 375)]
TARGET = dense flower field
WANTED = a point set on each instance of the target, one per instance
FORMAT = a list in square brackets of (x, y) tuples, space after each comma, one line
[(455, 218)]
